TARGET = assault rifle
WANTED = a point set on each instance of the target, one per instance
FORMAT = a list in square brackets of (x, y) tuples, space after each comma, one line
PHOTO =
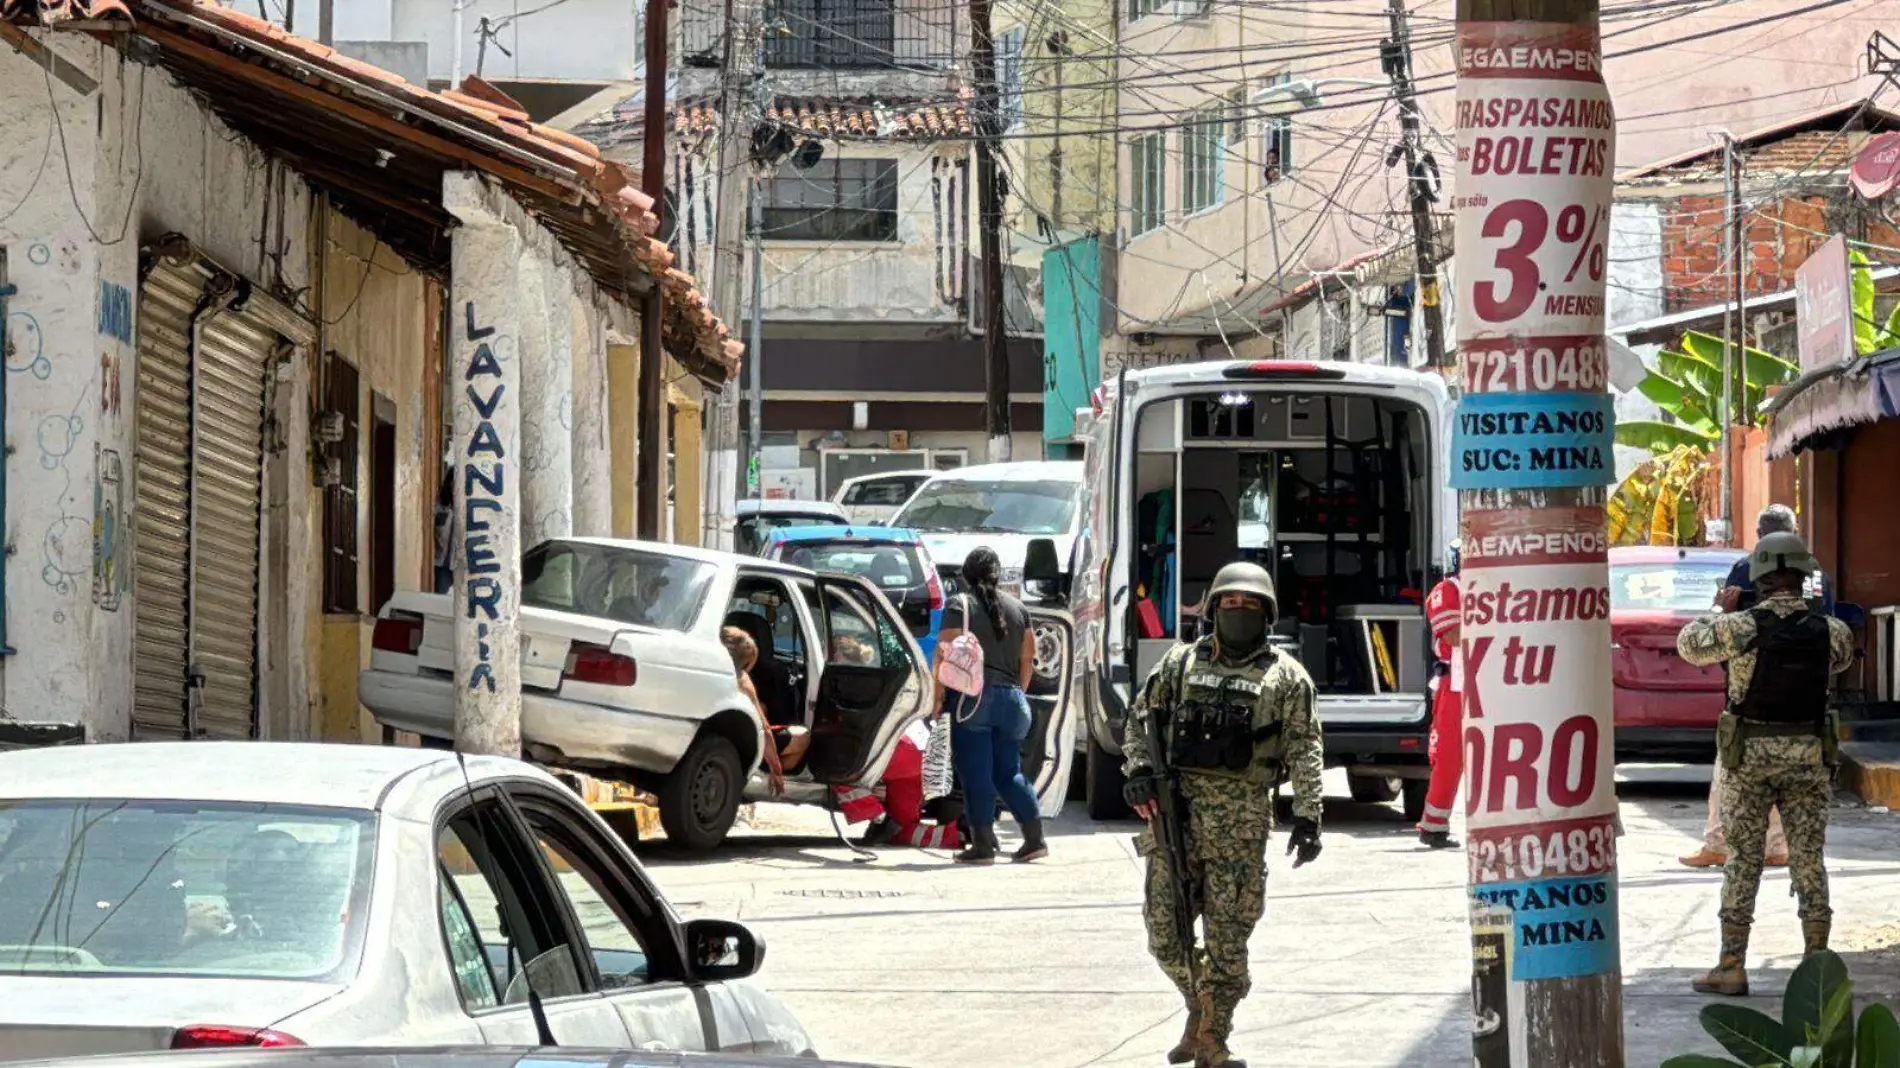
[(1169, 827)]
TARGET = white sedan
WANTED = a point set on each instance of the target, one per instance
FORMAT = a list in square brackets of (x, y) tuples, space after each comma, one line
[(623, 675), (194, 894)]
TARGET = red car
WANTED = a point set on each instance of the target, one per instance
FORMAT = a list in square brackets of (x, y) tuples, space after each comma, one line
[(1665, 708)]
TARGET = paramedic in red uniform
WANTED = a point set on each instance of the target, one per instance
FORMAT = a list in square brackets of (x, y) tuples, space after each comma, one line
[(1442, 609)]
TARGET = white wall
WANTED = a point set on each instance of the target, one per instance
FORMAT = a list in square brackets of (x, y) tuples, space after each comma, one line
[(145, 159), (578, 40)]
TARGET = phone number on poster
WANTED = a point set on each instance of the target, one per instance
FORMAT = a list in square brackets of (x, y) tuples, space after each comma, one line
[(1570, 365), (1536, 854)]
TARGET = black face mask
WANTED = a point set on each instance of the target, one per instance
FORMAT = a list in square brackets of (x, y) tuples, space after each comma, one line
[(1240, 630)]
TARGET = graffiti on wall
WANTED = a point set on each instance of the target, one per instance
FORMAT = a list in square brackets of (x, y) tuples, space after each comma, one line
[(108, 385), (68, 540), (115, 311), (108, 528), (484, 473)]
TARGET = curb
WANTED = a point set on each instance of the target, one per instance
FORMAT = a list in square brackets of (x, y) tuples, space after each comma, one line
[(632, 814), (1872, 770)]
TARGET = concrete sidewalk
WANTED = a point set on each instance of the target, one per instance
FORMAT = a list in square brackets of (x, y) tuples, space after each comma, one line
[(1363, 958), (1872, 771)]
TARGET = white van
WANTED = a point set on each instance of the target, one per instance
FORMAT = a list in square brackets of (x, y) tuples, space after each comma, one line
[(1334, 477)]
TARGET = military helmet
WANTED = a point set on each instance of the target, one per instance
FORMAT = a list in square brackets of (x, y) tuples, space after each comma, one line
[(1243, 577), (1780, 552)]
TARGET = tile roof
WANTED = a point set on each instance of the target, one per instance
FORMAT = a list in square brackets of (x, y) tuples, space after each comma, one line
[(852, 119), (330, 115), (1819, 143)]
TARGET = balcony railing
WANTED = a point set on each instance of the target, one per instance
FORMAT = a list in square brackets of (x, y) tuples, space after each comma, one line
[(851, 35)]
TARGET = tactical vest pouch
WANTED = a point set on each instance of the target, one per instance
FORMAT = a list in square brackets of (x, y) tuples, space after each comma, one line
[(1729, 740), (1831, 739), (1213, 737), (1790, 681)]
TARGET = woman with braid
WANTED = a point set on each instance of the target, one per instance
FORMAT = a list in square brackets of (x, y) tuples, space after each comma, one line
[(988, 731)]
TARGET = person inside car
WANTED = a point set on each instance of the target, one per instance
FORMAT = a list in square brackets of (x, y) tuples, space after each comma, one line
[(790, 742)]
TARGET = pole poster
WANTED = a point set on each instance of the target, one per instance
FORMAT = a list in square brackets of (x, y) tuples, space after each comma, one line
[(1532, 451)]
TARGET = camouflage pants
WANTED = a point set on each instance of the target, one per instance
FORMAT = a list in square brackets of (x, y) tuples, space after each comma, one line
[(1784, 773), (1227, 839)]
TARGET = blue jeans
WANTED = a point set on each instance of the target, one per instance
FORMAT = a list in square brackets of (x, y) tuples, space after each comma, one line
[(988, 750)]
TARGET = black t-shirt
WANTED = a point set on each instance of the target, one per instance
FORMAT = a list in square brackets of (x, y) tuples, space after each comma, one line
[(1002, 653)]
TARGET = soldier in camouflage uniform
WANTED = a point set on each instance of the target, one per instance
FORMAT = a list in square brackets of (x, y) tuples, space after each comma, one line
[(1237, 717), (1774, 742)]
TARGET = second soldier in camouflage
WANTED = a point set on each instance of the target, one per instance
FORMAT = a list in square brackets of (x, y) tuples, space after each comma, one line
[(1237, 718), (1773, 742)]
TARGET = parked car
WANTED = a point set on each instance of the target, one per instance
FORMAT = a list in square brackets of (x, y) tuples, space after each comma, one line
[(1666, 708), (205, 894), (440, 1057), (893, 559), (876, 498), (623, 675), (758, 519)]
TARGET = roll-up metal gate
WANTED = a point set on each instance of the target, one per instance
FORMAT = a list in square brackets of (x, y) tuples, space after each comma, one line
[(162, 503), (204, 359)]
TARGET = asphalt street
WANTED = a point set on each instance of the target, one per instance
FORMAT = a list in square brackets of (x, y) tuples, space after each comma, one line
[(1363, 958)]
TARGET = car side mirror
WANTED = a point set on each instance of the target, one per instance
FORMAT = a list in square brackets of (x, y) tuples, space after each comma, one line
[(1040, 563), (720, 950)]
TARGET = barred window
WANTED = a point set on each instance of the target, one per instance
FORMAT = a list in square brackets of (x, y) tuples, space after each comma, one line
[(836, 200), (1148, 171), (1204, 159)]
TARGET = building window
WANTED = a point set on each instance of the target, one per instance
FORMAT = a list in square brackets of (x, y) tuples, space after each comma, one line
[(836, 200), (1276, 148), (1009, 76), (341, 414), (1204, 159), (1141, 9), (382, 501), (1148, 171), (832, 33)]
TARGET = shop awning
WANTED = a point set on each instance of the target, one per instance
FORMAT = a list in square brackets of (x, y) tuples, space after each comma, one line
[(1824, 402)]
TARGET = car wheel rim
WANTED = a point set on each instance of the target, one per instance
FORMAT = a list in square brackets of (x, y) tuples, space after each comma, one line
[(709, 795), (1048, 652)]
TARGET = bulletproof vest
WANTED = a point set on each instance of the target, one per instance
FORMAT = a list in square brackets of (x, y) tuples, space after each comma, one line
[(1212, 728), (1790, 681)]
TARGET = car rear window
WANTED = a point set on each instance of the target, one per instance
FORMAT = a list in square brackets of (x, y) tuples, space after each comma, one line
[(94, 887), (752, 531), (889, 567), (1666, 587), (635, 586)]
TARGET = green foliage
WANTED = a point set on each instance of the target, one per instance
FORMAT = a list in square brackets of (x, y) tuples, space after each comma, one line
[(1817, 1027), (1870, 334)]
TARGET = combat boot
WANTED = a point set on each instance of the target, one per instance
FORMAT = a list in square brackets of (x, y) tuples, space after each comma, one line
[(1729, 978), (1814, 933), (1183, 1051), (1217, 1022)]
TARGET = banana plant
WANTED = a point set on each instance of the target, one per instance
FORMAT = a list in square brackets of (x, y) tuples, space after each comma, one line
[(1817, 1028), (1870, 334), (1661, 502), (1688, 386)]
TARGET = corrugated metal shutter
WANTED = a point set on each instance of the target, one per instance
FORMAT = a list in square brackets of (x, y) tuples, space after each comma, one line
[(162, 497), (233, 356)]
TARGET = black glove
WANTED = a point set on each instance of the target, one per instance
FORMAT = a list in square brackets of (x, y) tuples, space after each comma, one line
[(1139, 789), (1305, 840)]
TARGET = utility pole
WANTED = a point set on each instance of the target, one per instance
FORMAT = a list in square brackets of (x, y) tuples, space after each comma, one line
[(650, 417), (1532, 456), (755, 343), (1396, 57), (742, 44), (989, 212), (326, 21), (1734, 332)]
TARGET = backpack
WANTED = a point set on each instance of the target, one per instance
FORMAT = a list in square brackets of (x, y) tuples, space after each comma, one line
[(961, 667), (1792, 669)]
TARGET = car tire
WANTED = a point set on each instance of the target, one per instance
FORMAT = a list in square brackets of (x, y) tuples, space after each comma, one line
[(699, 801), (1103, 791), (1373, 789), (1413, 793)]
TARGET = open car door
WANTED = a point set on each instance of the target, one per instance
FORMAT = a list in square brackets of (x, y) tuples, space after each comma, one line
[(1049, 750), (875, 683)]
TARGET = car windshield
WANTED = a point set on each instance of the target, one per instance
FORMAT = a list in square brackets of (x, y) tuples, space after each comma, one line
[(248, 891), (751, 531), (1670, 586), (1013, 507), (890, 567), (637, 586)]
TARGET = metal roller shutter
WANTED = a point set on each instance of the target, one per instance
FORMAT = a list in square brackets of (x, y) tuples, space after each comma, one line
[(232, 358), (162, 501)]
